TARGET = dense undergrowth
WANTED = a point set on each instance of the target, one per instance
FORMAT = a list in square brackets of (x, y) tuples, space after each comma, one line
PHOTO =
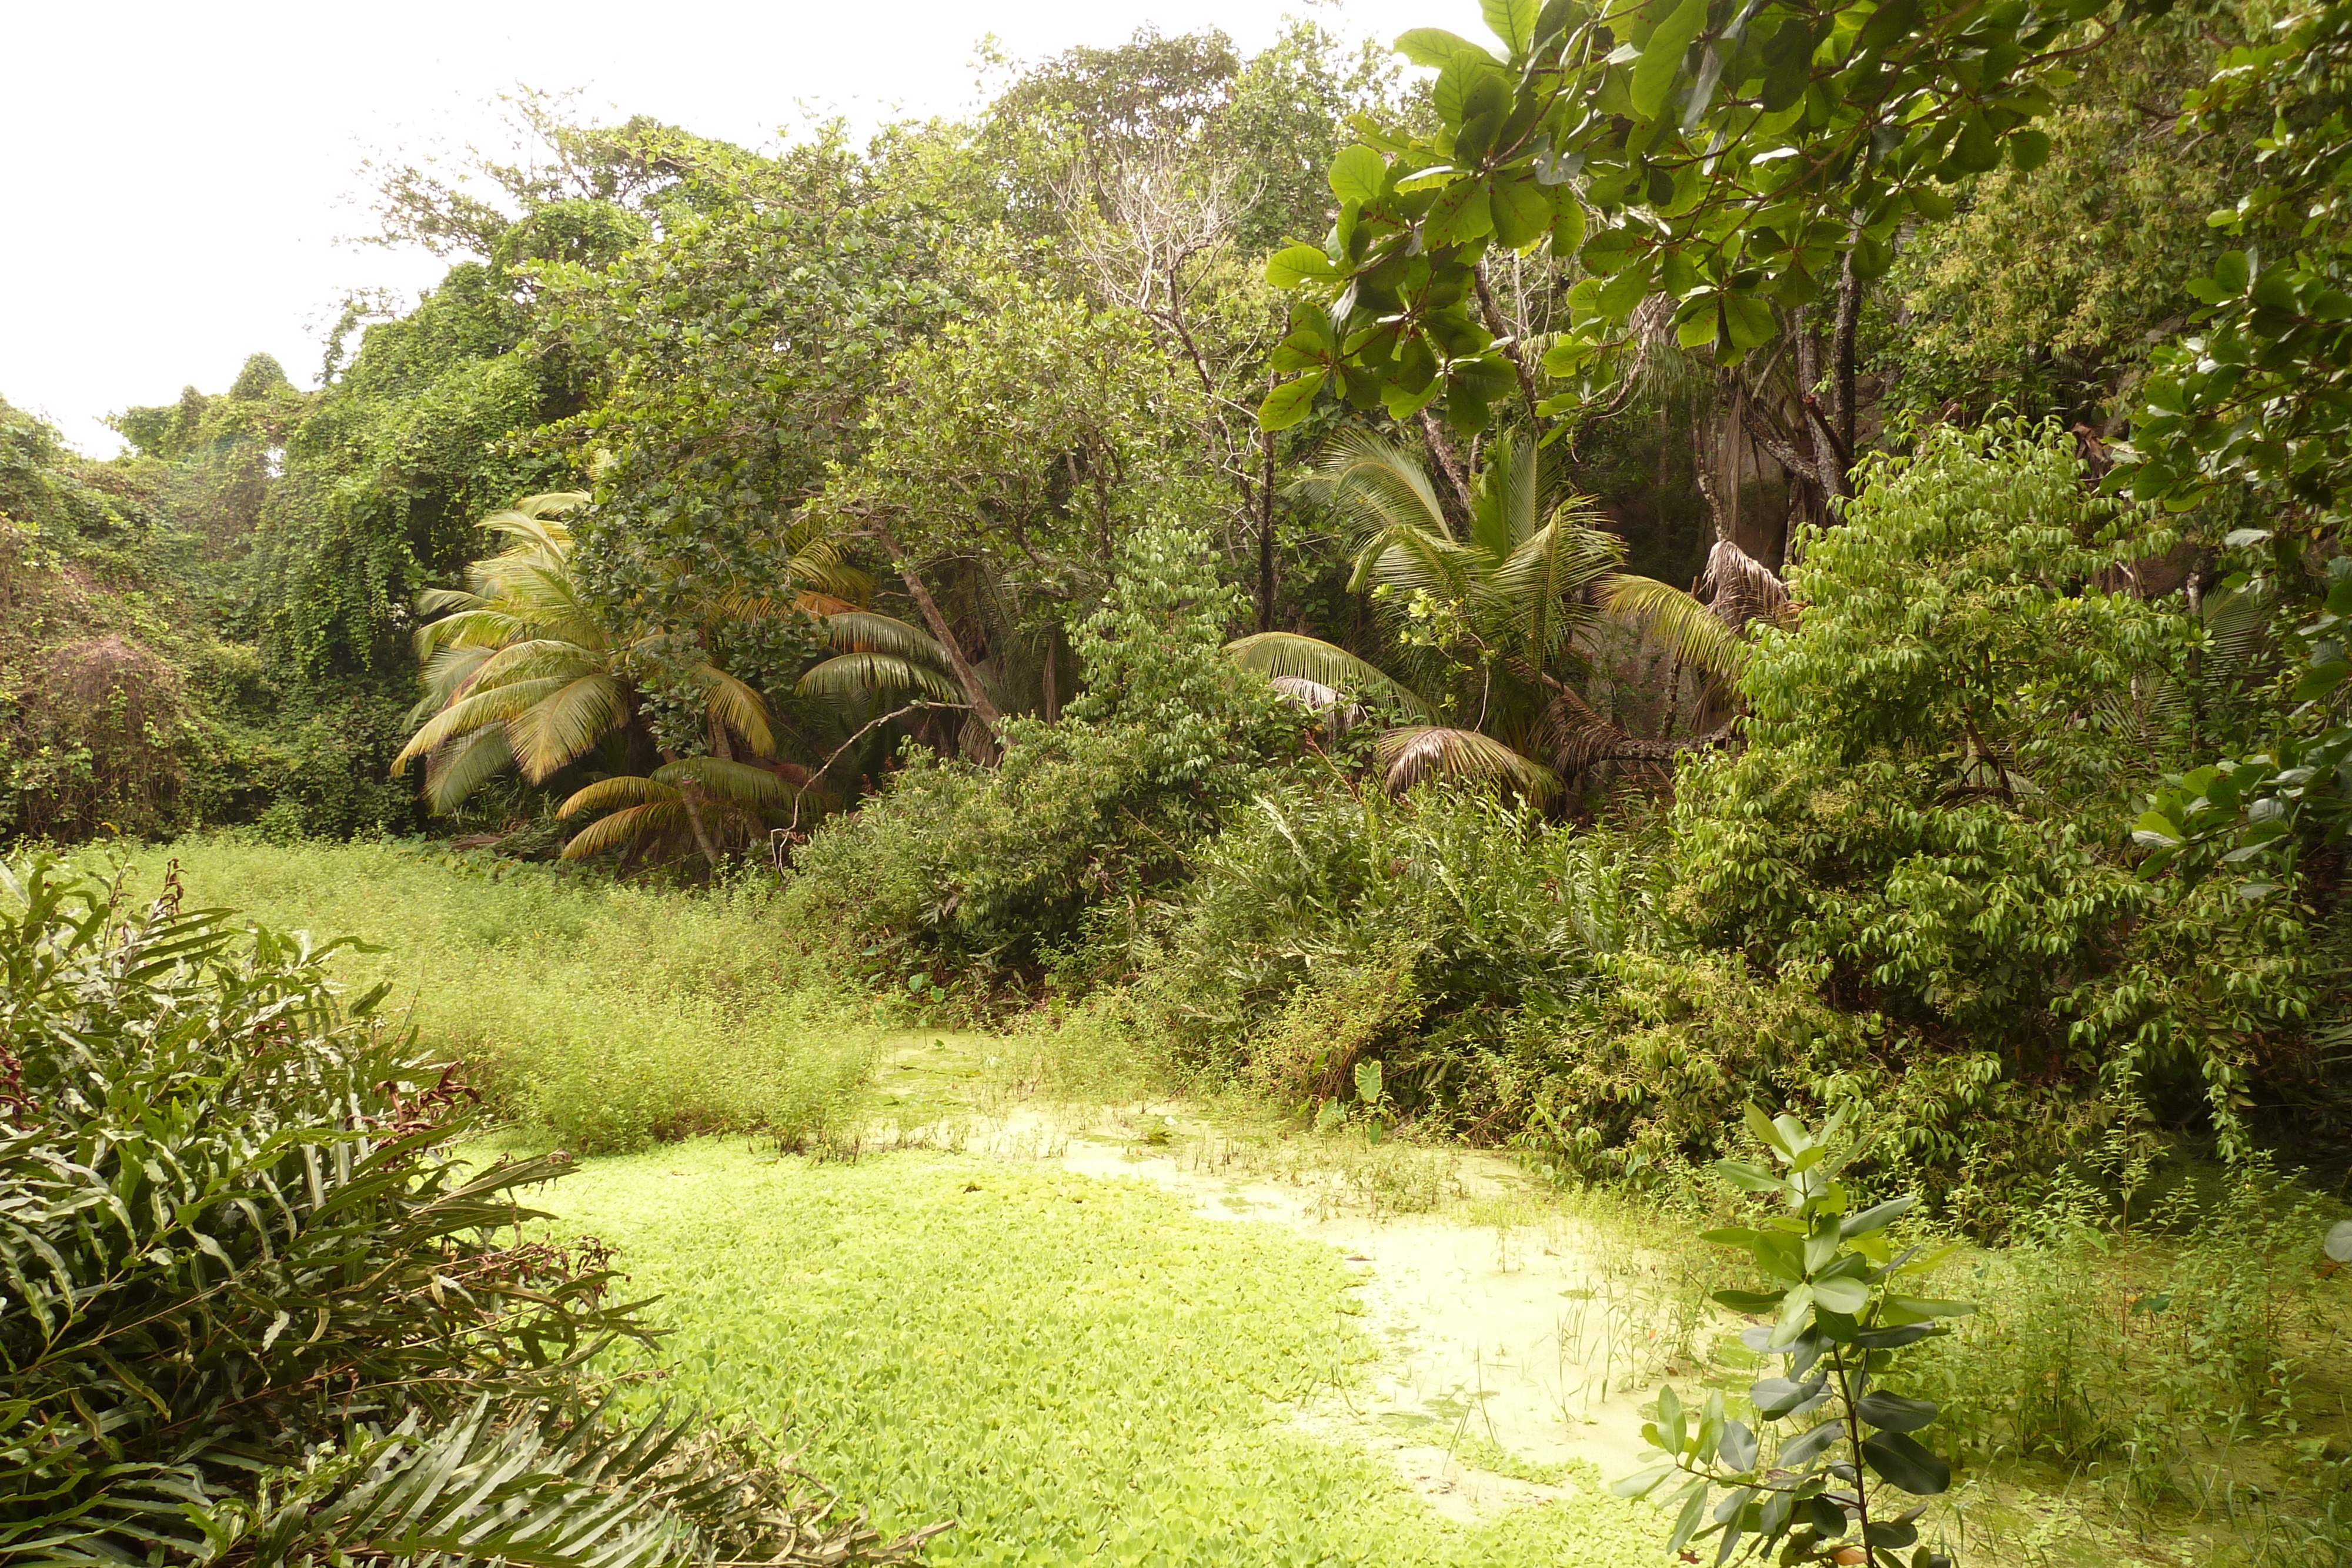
[(1911, 891), (204, 1139)]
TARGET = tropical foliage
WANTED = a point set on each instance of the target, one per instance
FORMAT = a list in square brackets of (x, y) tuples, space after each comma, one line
[(202, 1139)]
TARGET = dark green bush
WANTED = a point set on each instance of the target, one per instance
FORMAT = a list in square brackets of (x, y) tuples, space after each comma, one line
[(1915, 885), (1329, 922)]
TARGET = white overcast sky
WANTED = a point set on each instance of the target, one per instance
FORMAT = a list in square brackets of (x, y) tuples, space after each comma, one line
[(185, 189)]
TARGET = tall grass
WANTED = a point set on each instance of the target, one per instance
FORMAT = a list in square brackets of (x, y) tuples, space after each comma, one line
[(609, 1016)]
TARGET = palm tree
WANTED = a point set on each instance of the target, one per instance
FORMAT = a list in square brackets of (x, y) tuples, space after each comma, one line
[(520, 672), (1492, 621)]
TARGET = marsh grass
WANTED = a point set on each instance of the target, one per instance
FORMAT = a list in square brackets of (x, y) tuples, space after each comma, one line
[(609, 1016)]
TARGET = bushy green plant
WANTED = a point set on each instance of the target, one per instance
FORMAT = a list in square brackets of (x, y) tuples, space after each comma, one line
[(1329, 921), (1842, 1307), (987, 868), (2146, 1349), (1927, 826), (255, 1312)]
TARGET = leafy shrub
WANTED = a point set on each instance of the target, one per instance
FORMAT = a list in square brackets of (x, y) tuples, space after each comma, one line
[(1844, 1306), (1914, 883), (254, 1311), (989, 869), (1329, 921)]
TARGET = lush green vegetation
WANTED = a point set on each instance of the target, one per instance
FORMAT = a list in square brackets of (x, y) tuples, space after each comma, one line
[(204, 1139), (1076, 1370), (1686, 557)]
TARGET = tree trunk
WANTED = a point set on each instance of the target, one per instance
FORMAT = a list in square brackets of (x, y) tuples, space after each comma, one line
[(702, 839), (966, 677), (1265, 535), (1502, 328), (1048, 679), (1842, 355), (1442, 447)]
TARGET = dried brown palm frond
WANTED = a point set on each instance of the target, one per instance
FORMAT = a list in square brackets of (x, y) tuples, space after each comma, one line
[(1740, 588)]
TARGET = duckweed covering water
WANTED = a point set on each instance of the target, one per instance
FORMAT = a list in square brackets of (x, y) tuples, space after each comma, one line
[(1077, 1370)]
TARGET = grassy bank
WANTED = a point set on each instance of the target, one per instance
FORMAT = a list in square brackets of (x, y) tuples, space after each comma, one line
[(610, 1016)]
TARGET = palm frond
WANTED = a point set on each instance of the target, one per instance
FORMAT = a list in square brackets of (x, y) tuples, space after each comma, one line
[(1377, 483), (1420, 753), (1280, 653), (865, 631), (2237, 631), (611, 794), (1403, 559), (1508, 499), (536, 658), (627, 827), (561, 724), (851, 675), (1665, 614), (1542, 582), (456, 770), (1740, 588), (446, 677), (817, 563), (725, 780), (738, 707), (498, 705)]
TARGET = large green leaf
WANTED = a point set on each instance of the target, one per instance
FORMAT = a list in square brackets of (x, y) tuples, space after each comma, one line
[(1903, 1460), (1289, 402), (1662, 57), (1358, 174)]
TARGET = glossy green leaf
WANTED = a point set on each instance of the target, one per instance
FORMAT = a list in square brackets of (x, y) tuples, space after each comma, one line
[(1893, 1413), (1662, 57), (1903, 1461), (1289, 402), (1841, 1295), (1296, 264), (1358, 174), (1513, 21)]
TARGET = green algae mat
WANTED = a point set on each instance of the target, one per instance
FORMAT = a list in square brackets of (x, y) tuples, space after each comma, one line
[(1076, 1370)]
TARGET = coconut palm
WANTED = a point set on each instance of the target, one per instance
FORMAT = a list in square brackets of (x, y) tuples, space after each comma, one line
[(1492, 621), (520, 672)]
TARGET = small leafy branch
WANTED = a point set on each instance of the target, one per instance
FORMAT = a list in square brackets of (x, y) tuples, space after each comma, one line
[(1841, 1317)]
